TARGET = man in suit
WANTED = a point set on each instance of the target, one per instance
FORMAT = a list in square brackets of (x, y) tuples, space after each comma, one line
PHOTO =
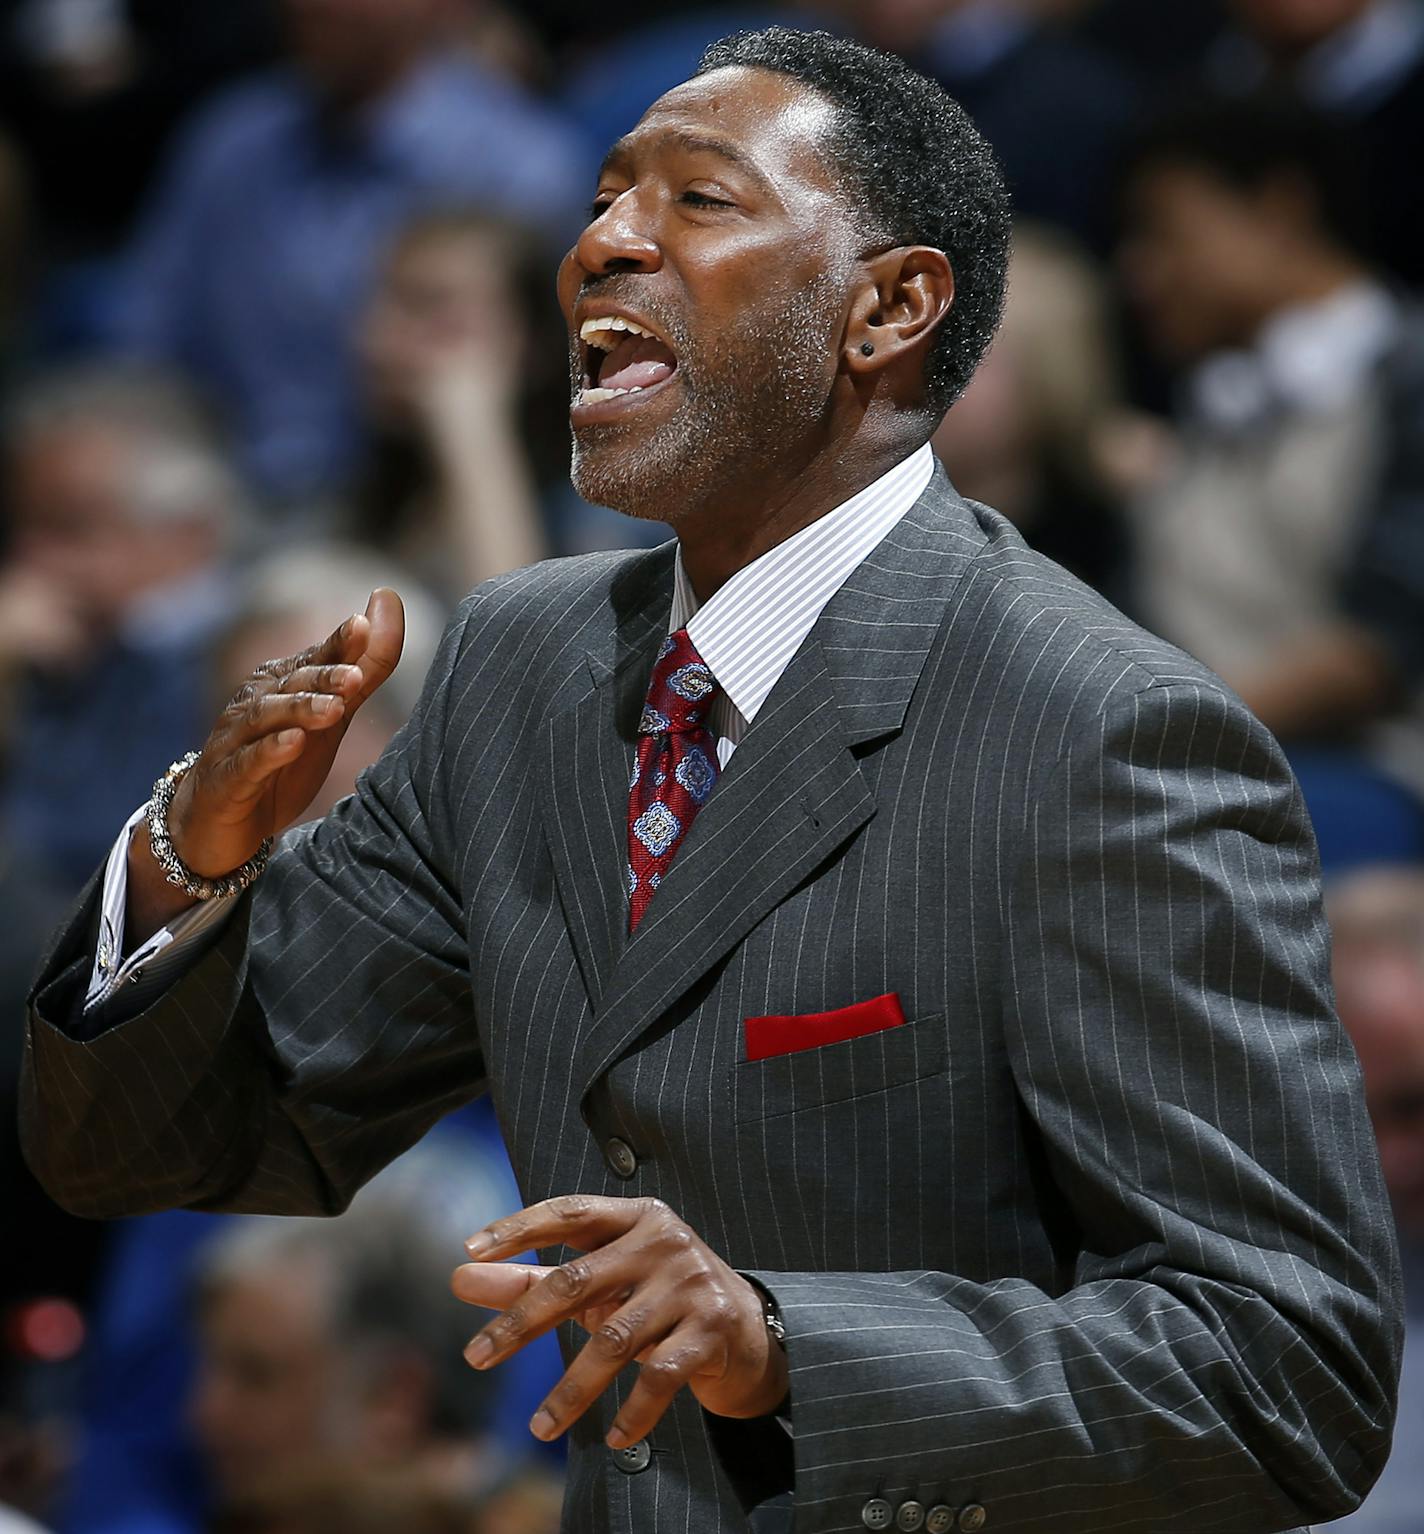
[(901, 980)]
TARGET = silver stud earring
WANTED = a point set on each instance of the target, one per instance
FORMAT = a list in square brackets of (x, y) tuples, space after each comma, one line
[(867, 348)]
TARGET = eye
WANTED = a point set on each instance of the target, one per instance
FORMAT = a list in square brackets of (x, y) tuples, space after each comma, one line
[(598, 207), (702, 200)]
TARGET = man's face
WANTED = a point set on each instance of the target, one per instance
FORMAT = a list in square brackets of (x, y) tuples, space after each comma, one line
[(1291, 26), (74, 526), (1200, 259), (268, 1375), (722, 235)]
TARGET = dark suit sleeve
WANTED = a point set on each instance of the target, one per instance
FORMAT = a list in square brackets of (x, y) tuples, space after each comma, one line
[(326, 1030), (1223, 1351)]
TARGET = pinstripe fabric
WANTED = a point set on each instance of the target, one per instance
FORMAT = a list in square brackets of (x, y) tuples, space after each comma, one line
[(1096, 1239)]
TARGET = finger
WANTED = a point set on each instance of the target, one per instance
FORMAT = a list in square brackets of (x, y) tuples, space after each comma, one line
[(562, 1294), (340, 681), (580, 1220), (280, 711), (249, 769), (617, 1341), (670, 1367), (346, 643), (494, 1285), (384, 640)]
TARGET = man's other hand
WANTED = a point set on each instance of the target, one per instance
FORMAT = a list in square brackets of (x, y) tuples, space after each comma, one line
[(266, 758), (648, 1289)]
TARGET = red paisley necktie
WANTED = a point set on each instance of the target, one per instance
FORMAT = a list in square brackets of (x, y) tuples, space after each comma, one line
[(676, 767)]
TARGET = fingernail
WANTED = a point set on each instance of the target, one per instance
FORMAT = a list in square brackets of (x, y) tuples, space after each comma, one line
[(322, 704), (289, 737), (479, 1243), (617, 1438), (479, 1351), (542, 1424)]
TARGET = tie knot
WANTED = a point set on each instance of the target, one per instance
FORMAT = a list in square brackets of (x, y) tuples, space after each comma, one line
[(681, 690)]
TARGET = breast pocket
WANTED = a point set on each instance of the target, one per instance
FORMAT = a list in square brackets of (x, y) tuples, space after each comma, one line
[(828, 1074), (844, 1152)]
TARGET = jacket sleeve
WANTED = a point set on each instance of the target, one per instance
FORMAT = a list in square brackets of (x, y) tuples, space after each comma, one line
[(329, 1026), (1225, 1354)]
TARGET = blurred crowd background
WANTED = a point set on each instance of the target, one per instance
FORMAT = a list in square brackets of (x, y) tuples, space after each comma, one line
[(277, 325)]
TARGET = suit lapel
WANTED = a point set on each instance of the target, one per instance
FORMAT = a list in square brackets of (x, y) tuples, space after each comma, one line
[(793, 794)]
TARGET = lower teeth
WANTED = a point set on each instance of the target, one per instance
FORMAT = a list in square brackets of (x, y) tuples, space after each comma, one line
[(596, 396)]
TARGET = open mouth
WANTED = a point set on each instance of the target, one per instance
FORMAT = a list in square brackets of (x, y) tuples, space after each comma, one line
[(621, 359)]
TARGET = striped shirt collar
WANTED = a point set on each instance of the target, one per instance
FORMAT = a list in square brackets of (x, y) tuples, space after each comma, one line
[(749, 630)]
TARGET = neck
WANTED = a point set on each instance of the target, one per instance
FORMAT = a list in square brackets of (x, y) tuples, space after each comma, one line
[(747, 519)]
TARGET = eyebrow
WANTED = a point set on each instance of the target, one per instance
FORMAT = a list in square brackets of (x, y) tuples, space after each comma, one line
[(695, 143)]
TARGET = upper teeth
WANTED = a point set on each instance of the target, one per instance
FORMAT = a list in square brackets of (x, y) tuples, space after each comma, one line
[(602, 332)]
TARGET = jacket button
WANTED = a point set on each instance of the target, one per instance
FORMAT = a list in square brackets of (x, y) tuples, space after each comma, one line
[(877, 1513), (972, 1518), (910, 1517), (633, 1459), (620, 1158), (939, 1519)]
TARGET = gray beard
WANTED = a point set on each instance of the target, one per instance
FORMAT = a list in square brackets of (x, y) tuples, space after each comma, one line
[(743, 402)]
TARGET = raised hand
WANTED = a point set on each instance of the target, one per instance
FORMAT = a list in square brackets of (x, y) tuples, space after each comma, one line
[(267, 756)]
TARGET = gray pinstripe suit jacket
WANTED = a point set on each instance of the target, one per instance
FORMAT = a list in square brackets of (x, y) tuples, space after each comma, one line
[(1096, 1240)]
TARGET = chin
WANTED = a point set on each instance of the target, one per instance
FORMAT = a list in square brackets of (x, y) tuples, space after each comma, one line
[(644, 480)]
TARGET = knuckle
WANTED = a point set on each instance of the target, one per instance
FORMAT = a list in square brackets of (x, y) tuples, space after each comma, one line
[(720, 1311), (655, 1209), (568, 1392), (614, 1339), (664, 1374), (512, 1324), (569, 1281), (571, 1206)]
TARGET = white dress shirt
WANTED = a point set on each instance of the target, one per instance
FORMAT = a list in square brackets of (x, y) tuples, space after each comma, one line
[(746, 634)]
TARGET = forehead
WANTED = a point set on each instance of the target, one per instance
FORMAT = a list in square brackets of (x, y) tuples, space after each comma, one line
[(773, 124)]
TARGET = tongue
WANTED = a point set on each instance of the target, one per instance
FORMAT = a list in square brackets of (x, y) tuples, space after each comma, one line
[(636, 363)]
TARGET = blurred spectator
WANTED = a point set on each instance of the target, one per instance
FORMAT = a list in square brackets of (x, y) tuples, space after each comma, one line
[(91, 89), (1284, 546), (261, 246), (465, 366), (122, 510), (1361, 61), (337, 1338), (1055, 108), (147, 1462), (1377, 923), (447, 360), (1021, 437)]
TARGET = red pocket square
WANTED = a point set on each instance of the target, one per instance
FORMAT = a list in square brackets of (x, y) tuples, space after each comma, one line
[(767, 1036)]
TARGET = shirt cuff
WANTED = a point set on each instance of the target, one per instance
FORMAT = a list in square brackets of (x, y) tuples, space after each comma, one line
[(158, 960)]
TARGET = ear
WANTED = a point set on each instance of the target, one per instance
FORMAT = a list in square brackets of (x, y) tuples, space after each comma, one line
[(906, 294)]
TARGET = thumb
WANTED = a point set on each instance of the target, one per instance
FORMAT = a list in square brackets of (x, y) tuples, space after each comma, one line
[(386, 615)]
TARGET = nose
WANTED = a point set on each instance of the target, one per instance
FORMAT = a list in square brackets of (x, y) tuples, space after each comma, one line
[(618, 241)]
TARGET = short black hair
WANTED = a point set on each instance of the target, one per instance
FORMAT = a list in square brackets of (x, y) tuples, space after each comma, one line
[(1247, 142), (918, 167)]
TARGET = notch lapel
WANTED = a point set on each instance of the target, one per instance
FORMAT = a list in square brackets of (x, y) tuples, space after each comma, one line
[(794, 794)]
